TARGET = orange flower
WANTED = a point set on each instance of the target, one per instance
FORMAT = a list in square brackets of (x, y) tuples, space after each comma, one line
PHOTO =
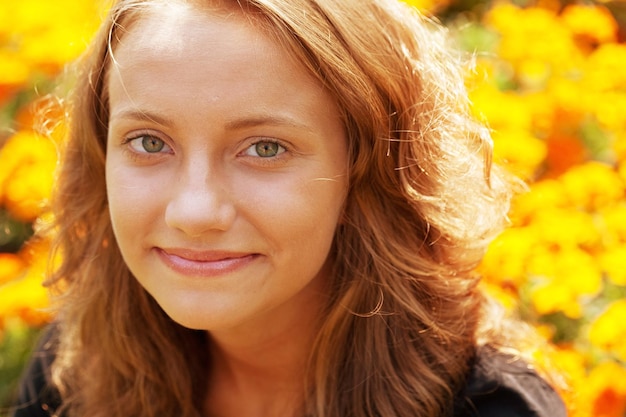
[(606, 390), (570, 104), (11, 266), (25, 297), (563, 153), (45, 115), (14, 74)]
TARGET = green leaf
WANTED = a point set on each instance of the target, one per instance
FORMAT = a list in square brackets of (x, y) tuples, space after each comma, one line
[(16, 344), (13, 233)]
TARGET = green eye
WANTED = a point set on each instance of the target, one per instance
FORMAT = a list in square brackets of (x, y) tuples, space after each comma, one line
[(267, 149), (151, 144)]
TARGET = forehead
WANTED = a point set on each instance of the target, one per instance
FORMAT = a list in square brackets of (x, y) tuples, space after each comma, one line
[(176, 27), (178, 56), (179, 34)]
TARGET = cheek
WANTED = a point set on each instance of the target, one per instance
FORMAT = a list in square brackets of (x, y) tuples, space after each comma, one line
[(303, 212), (133, 202)]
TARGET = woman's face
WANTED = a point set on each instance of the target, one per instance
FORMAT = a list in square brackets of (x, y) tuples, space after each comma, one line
[(226, 170)]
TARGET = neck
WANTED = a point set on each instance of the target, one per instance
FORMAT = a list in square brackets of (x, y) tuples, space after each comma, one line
[(260, 370)]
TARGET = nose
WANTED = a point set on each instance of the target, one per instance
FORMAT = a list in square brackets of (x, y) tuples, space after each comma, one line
[(200, 202)]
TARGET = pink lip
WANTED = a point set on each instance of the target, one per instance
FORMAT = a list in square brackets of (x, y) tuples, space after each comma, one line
[(204, 263)]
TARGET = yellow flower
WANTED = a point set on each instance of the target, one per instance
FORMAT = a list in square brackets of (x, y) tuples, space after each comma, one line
[(608, 331), (505, 262), (544, 194), (545, 331), (556, 297), (534, 38), (502, 110), (563, 277), (428, 6), (26, 298), (533, 73), (49, 34), (519, 151), (590, 24), (613, 224), (604, 69), (621, 170), (13, 70), (608, 108), (27, 163), (605, 83), (481, 73), (564, 228), (613, 262), (507, 297), (543, 111), (593, 185), (619, 144), (571, 365)]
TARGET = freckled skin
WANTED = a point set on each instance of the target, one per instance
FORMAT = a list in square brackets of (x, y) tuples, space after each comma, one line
[(210, 92)]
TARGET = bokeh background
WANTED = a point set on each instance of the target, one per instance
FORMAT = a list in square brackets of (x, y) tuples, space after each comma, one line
[(549, 79)]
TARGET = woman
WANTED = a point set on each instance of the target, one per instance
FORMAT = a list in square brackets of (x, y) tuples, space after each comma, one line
[(273, 208)]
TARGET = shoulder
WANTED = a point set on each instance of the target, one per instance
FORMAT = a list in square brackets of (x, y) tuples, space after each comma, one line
[(36, 396), (500, 384)]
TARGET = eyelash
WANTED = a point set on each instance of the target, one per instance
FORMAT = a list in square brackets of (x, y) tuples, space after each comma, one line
[(137, 153), (281, 148), (143, 153), (129, 143)]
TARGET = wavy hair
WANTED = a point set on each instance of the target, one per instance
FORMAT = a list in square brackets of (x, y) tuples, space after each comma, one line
[(401, 329)]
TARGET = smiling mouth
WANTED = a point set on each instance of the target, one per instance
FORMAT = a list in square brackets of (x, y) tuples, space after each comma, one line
[(204, 263)]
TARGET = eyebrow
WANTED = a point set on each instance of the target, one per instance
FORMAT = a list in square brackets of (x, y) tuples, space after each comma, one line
[(143, 116), (240, 123), (261, 120)]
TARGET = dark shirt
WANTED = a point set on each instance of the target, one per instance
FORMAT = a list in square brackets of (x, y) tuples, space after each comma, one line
[(36, 396), (502, 386), (497, 386)]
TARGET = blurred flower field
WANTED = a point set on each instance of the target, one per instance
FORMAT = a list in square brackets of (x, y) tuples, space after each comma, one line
[(549, 79)]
